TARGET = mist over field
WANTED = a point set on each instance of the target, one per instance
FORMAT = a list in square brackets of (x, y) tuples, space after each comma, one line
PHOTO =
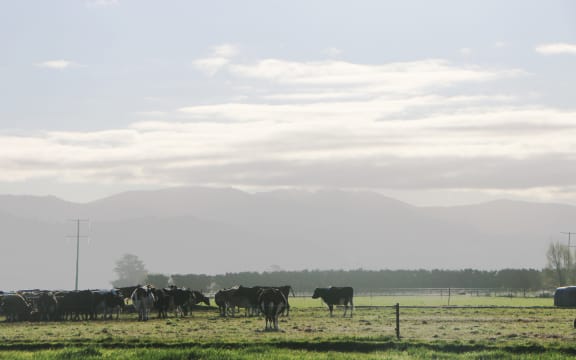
[(214, 231)]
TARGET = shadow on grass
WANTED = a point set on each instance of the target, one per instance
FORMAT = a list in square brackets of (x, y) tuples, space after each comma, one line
[(345, 346)]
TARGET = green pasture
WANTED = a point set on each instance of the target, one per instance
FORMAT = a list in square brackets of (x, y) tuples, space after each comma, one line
[(471, 328), (435, 300)]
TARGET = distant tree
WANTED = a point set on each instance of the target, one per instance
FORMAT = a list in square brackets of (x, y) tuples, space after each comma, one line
[(560, 263), (158, 280), (130, 270)]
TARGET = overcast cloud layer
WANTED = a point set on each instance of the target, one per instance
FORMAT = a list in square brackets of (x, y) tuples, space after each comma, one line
[(467, 103)]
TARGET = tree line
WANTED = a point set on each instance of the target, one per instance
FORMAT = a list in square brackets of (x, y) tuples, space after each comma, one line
[(560, 271), (306, 281)]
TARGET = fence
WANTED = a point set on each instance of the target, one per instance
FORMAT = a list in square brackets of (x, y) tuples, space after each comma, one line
[(448, 291)]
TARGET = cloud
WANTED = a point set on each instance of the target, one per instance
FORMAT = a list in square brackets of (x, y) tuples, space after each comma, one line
[(407, 75), (361, 80), (443, 149), (323, 123), (57, 64), (556, 49), (220, 57), (210, 66)]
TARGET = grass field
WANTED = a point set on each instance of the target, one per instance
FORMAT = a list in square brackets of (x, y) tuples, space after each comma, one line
[(476, 328)]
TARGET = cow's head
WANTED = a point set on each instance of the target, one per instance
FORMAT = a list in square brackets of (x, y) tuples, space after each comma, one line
[(316, 294), (202, 298)]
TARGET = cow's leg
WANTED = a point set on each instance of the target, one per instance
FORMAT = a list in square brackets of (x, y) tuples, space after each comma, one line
[(351, 306), (331, 307)]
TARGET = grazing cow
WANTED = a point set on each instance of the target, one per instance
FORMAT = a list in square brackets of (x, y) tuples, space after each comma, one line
[(272, 303), (198, 297), (143, 300), (336, 296), (16, 308), (47, 306)]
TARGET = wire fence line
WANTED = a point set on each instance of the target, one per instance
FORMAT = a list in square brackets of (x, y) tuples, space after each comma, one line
[(448, 291)]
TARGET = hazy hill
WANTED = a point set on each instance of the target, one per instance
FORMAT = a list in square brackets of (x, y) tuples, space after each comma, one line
[(199, 230)]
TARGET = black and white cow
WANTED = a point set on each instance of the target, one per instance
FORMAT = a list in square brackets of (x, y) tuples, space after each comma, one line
[(143, 301), (271, 302), (286, 290), (336, 296)]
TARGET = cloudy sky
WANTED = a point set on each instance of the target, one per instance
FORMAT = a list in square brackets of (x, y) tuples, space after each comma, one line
[(443, 102)]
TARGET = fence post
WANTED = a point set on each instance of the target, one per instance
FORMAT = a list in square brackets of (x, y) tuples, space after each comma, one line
[(397, 306)]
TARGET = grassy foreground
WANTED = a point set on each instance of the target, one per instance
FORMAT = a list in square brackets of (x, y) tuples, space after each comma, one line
[(535, 331)]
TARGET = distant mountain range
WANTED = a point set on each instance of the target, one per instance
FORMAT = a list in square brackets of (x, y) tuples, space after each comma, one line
[(205, 230)]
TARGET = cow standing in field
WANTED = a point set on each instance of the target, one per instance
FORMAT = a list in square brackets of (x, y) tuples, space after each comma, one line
[(272, 303), (77, 305), (112, 301), (161, 302), (15, 307), (180, 300), (336, 296), (244, 297), (48, 306), (221, 299), (285, 290), (143, 301)]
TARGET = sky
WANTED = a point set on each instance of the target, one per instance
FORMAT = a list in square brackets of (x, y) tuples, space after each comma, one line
[(432, 103)]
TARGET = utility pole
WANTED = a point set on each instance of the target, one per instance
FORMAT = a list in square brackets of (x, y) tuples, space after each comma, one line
[(78, 247), (569, 237)]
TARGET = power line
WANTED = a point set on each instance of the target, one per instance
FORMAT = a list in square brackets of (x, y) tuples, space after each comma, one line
[(569, 237), (78, 246)]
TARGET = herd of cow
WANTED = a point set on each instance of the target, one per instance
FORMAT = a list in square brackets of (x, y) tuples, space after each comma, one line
[(36, 305)]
